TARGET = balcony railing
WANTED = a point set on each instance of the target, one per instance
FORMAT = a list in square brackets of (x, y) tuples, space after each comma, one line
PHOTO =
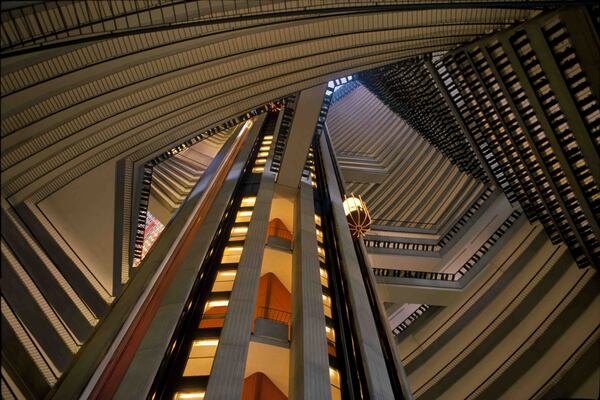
[(467, 266), (283, 317)]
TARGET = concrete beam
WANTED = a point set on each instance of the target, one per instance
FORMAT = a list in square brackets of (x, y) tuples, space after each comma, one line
[(303, 127)]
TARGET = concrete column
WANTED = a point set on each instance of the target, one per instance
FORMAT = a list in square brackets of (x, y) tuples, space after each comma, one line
[(227, 374), (379, 385), (388, 331), (306, 113), (309, 363), (151, 351)]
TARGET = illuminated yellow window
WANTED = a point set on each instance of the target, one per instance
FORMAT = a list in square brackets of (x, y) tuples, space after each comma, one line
[(317, 220), (201, 357), (214, 314), (330, 332), (232, 254), (263, 154), (314, 184), (334, 378), (268, 137), (258, 170), (238, 233), (260, 161), (321, 253), (243, 216), (215, 303), (224, 281), (320, 235), (264, 148), (248, 202), (324, 278), (327, 306), (188, 395)]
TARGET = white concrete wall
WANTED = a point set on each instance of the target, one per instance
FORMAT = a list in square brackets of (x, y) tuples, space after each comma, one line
[(83, 212)]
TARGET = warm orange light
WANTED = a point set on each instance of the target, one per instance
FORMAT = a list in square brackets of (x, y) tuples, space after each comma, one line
[(189, 395)]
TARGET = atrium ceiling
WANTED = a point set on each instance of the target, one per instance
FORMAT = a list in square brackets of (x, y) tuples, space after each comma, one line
[(92, 92)]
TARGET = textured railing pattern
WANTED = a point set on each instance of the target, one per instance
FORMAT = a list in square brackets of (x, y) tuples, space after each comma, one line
[(388, 244), (273, 314), (418, 313), (467, 266)]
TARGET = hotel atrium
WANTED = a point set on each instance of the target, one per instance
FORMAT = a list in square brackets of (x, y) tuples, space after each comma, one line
[(268, 199)]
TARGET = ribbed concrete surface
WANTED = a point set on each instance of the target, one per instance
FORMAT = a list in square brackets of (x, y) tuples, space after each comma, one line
[(422, 188)]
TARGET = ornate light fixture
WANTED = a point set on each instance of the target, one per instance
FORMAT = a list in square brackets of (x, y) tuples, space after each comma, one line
[(357, 214), (274, 106)]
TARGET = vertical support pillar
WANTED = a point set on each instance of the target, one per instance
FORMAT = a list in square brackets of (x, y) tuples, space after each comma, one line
[(388, 331), (309, 364), (378, 380), (227, 375)]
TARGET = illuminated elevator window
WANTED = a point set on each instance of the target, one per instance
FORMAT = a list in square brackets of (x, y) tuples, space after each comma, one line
[(330, 332), (324, 278), (243, 216), (263, 148), (201, 357), (268, 137), (232, 254), (317, 220), (260, 161), (327, 306), (224, 281), (320, 235), (321, 253), (263, 154), (212, 304), (238, 233), (258, 170), (248, 202), (214, 314), (188, 395), (334, 378)]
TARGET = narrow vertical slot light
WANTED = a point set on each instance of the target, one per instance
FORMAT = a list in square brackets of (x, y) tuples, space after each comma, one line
[(188, 395)]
